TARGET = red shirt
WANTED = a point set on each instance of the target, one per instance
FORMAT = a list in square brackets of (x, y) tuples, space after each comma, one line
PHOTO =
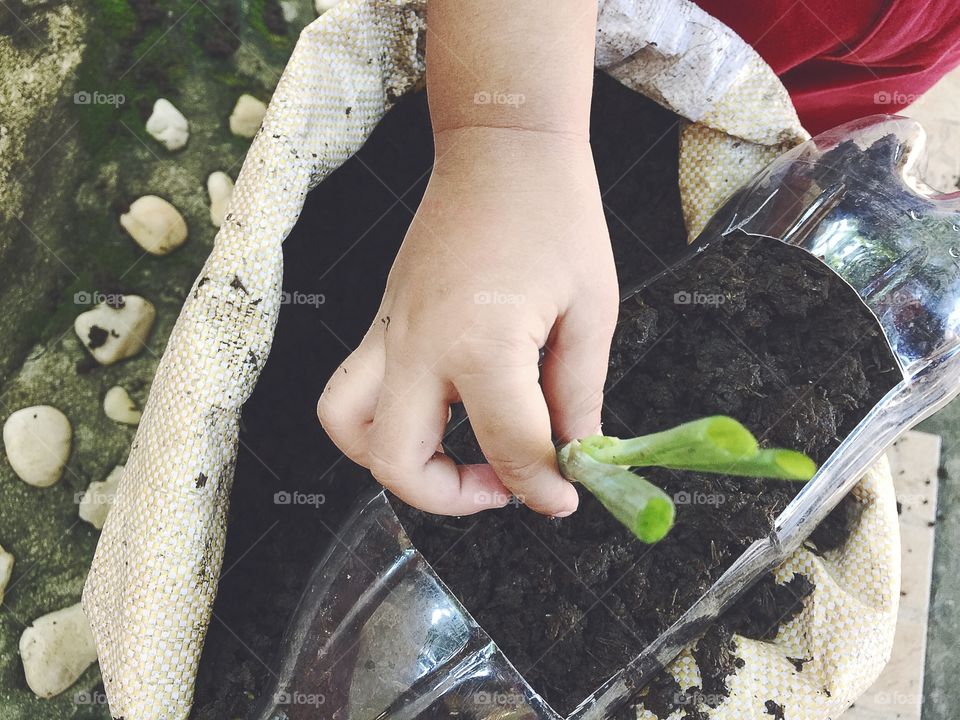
[(843, 59)]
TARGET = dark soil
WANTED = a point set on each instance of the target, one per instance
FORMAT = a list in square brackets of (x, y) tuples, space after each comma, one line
[(788, 352)]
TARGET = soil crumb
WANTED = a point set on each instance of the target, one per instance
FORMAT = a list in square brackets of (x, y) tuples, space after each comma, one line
[(774, 709)]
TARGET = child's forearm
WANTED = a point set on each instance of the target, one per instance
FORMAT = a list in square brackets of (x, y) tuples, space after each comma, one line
[(502, 63), (508, 254)]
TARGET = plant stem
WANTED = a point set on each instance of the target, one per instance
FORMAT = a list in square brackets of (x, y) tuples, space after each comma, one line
[(644, 508)]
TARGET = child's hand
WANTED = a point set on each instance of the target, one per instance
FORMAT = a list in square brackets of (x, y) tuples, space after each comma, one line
[(508, 253)]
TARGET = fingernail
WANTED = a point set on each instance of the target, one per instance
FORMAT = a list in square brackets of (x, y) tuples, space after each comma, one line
[(563, 514)]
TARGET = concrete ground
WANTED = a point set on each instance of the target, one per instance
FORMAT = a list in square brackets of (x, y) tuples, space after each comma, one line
[(939, 111)]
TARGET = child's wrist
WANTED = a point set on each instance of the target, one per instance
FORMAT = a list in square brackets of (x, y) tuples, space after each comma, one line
[(511, 152)]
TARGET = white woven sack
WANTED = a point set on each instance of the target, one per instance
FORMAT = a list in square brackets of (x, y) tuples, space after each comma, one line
[(153, 580)]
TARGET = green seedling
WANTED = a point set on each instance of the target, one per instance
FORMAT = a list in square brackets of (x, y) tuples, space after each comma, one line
[(715, 444)]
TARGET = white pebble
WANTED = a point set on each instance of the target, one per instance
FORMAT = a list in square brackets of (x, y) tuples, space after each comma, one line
[(120, 407), (323, 5), (168, 125), (155, 225), (37, 441), (56, 649), (114, 333), (98, 499), (247, 116), (220, 189), (290, 10), (6, 570)]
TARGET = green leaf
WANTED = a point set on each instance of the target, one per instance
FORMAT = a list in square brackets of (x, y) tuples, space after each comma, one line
[(717, 444), (776, 464), (699, 445)]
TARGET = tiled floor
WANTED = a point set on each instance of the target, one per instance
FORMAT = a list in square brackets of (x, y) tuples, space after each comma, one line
[(939, 111)]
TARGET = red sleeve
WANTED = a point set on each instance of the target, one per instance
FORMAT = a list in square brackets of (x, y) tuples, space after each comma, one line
[(842, 60)]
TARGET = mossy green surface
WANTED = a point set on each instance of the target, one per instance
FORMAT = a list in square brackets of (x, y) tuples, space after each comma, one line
[(86, 163)]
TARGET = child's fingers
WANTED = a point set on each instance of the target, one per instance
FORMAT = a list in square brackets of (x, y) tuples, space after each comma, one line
[(510, 418), (350, 398), (575, 369), (407, 429)]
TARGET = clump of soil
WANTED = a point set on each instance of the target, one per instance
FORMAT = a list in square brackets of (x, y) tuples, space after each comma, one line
[(788, 351)]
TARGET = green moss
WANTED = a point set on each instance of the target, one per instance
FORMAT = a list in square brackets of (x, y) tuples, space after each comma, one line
[(230, 80), (256, 11), (115, 17), (101, 126)]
